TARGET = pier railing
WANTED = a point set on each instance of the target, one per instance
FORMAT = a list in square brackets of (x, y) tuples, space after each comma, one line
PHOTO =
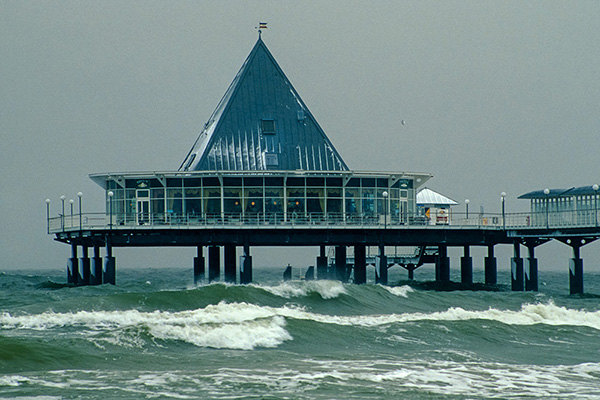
[(103, 221)]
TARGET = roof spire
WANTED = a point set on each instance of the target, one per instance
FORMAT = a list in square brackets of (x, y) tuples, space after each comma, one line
[(260, 27)]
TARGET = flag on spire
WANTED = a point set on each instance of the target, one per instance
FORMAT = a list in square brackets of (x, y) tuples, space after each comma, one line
[(262, 25)]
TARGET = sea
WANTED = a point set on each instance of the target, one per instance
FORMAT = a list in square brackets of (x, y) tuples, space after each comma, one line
[(155, 335)]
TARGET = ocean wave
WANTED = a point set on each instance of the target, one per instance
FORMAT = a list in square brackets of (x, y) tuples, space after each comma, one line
[(400, 291), (235, 326), (247, 326), (324, 288), (529, 314), (310, 378)]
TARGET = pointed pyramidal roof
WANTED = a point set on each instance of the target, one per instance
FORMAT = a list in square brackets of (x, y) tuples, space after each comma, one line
[(261, 123)]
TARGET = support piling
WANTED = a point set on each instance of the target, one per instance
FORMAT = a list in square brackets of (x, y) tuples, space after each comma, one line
[(229, 263), (531, 270), (466, 267), (340, 264), (72, 266), (442, 265), (84, 268), (381, 267), (322, 264), (96, 268), (517, 273), (246, 266), (360, 264), (214, 264), (576, 271), (491, 267), (199, 267)]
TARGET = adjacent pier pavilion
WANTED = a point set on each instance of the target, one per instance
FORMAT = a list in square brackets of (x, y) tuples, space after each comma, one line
[(263, 173)]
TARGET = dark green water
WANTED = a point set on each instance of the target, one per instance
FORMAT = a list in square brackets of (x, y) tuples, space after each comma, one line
[(156, 336)]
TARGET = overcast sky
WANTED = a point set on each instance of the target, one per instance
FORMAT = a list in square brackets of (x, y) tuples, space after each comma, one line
[(497, 96)]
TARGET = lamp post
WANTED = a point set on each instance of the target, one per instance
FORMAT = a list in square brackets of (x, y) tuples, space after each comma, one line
[(110, 196), (503, 197), (385, 197), (547, 193), (62, 216), (48, 214), (595, 187), (467, 201), (80, 195), (71, 203)]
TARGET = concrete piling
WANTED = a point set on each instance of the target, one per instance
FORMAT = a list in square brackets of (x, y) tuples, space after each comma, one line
[(531, 270), (287, 274), (84, 274), (491, 267), (229, 263), (360, 264), (96, 268), (576, 271), (322, 264), (340, 263), (214, 264), (246, 266), (199, 267), (517, 272), (442, 265), (381, 267), (72, 266), (310, 273), (466, 267)]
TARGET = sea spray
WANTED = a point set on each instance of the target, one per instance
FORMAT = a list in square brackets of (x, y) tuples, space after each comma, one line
[(324, 288)]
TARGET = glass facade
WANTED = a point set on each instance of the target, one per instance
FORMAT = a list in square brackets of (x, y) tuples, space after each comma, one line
[(579, 209), (290, 197)]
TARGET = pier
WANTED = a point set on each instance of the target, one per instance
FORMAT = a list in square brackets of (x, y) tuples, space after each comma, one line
[(262, 173), (224, 239)]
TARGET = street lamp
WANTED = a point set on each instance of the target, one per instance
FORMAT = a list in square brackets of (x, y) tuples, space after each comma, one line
[(547, 193), (80, 195), (385, 197), (595, 187), (48, 214), (62, 216), (503, 197), (467, 201), (110, 196), (71, 202)]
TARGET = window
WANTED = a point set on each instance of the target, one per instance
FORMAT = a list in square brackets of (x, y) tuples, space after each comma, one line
[(267, 126)]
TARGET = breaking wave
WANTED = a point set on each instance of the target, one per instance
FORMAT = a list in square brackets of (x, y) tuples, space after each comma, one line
[(247, 326)]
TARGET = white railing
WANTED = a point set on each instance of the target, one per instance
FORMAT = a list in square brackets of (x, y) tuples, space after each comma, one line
[(102, 221)]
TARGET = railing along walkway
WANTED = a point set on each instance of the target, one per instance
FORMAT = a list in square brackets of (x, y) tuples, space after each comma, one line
[(102, 221)]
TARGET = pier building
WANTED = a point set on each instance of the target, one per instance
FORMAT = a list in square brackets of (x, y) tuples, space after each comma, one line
[(263, 173)]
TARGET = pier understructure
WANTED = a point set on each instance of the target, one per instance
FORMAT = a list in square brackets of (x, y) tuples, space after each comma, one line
[(224, 249)]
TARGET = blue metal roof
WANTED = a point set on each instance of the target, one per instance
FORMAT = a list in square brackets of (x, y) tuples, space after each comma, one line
[(261, 123), (574, 191)]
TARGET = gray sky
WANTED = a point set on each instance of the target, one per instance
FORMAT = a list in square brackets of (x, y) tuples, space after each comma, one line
[(497, 96)]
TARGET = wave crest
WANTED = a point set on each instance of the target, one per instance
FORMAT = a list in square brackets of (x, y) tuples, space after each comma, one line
[(324, 288)]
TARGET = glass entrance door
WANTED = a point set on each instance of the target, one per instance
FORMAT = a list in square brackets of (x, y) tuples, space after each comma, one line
[(143, 207)]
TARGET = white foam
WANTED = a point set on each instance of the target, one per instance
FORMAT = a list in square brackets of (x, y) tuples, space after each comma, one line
[(247, 326), (400, 291), (388, 378), (236, 325), (13, 380), (530, 314), (325, 288)]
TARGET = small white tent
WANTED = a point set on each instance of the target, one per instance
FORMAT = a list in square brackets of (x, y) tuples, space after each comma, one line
[(434, 206)]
